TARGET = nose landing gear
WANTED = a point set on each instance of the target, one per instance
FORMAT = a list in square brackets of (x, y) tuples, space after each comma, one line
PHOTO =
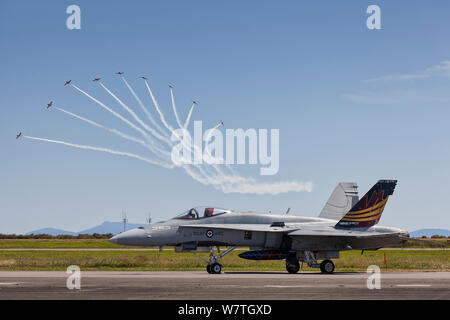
[(214, 267)]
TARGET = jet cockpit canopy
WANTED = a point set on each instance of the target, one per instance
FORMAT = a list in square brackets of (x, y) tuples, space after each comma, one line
[(202, 212)]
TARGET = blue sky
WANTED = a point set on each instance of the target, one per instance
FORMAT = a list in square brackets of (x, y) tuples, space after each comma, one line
[(351, 104)]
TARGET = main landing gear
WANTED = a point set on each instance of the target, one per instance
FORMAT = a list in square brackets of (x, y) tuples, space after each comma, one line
[(214, 267), (293, 266), (327, 266)]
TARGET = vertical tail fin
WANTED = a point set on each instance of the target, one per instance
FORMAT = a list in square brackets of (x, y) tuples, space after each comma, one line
[(343, 198), (367, 212)]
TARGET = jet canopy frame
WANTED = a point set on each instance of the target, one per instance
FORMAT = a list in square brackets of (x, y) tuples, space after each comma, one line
[(202, 212)]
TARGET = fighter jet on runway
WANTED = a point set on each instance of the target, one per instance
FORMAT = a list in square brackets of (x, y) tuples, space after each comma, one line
[(345, 223)]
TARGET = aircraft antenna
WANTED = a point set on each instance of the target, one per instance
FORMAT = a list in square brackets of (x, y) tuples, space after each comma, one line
[(149, 219), (124, 220)]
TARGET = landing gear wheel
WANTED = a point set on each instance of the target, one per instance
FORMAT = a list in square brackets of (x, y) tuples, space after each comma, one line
[(215, 268), (327, 266), (213, 263), (292, 267)]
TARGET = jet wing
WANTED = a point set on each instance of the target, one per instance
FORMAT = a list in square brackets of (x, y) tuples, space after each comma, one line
[(335, 233), (292, 231), (243, 227)]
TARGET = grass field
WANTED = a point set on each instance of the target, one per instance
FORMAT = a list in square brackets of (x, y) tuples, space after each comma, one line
[(431, 260), (57, 243), (103, 243), (427, 243), (169, 260)]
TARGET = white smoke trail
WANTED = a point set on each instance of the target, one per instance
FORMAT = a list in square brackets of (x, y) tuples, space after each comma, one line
[(186, 123), (249, 186), (209, 175), (172, 130), (155, 103), (231, 177), (98, 125), (153, 147), (174, 108), (120, 153), (208, 136), (135, 116), (110, 110), (148, 114)]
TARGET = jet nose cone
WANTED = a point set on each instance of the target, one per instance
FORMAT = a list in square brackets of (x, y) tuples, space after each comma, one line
[(134, 237), (113, 239), (403, 234)]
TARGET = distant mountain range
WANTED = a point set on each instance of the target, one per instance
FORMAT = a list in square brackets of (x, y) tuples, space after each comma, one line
[(429, 233), (117, 227), (105, 227)]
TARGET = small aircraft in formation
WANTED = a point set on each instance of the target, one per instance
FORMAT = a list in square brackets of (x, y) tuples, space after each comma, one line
[(50, 104), (345, 223)]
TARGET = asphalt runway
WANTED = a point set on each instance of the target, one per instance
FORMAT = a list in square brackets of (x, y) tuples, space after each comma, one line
[(228, 285), (168, 249)]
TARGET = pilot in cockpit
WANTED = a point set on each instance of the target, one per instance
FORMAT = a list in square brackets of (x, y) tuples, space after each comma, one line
[(193, 214), (208, 212)]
